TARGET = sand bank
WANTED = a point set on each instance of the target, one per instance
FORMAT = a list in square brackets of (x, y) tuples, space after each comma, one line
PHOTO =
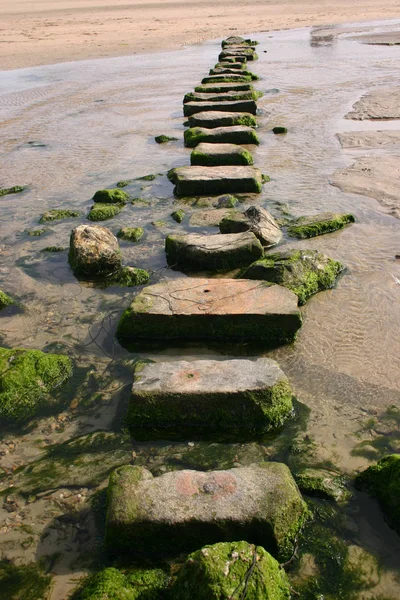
[(381, 104), (51, 31)]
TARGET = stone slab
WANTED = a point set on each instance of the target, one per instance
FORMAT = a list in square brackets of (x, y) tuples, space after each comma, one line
[(219, 96), (209, 181), (212, 155), (214, 118), (211, 88), (181, 511), (229, 65), (238, 54), (203, 309), (228, 71), (191, 108), (226, 79), (197, 252), (234, 134), (229, 399), (314, 225), (255, 219)]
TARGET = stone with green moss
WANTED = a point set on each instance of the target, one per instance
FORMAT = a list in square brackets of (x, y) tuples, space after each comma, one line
[(58, 215), (28, 379), (163, 139), (255, 219), (37, 232), (233, 78), (220, 96), (53, 249), (226, 70), (230, 64), (131, 234), (102, 212), (16, 189), (279, 130), (5, 300), (230, 570), (217, 86), (247, 106), (159, 224), (114, 196), (237, 40), (112, 584), (127, 277), (94, 251), (209, 218), (238, 54), (150, 177), (212, 119), (182, 510), (23, 582), (305, 272), (124, 182), (307, 227), (323, 483), (205, 181), (178, 215), (238, 134), (383, 482), (210, 155), (223, 400), (140, 202)]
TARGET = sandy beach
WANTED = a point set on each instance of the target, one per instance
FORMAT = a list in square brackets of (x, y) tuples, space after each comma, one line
[(50, 31)]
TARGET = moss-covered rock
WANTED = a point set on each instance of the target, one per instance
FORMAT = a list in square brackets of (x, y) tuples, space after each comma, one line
[(323, 484), (37, 232), (102, 212), (307, 227), (150, 177), (226, 79), (16, 189), (58, 215), (205, 181), (237, 134), (212, 119), (178, 215), (242, 106), (112, 584), (221, 96), (305, 272), (94, 251), (24, 582), (113, 196), (131, 234), (53, 249), (128, 277), (279, 130), (28, 378), (163, 139), (383, 482), (230, 570), (218, 86), (210, 155), (5, 300), (124, 182)]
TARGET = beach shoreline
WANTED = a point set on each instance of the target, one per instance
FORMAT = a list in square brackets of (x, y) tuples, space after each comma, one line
[(51, 32)]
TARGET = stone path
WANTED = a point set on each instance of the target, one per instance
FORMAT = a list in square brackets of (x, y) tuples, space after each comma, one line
[(191, 108), (208, 155), (204, 181)]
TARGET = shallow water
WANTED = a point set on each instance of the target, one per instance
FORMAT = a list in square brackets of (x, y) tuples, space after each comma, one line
[(97, 120)]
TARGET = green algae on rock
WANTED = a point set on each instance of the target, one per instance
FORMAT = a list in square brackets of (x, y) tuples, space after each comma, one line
[(279, 130), (102, 212), (237, 134), (58, 215), (241, 106), (230, 570), (150, 177), (255, 219), (16, 189), (28, 378), (113, 196), (182, 510), (131, 234), (163, 139), (178, 215), (124, 182), (220, 96), (223, 400), (209, 155), (213, 87), (37, 232), (94, 251), (322, 484), (5, 300), (127, 277), (212, 119), (205, 181), (112, 584), (307, 227), (24, 582), (383, 482), (305, 272)]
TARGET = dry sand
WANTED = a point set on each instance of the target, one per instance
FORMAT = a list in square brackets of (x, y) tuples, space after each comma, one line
[(51, 31)]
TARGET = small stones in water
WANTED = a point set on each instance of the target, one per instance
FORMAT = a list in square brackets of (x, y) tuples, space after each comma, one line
[(163, 139), (57, 215), (279, 130), (53, 249), (131, 234), (5, 300), (102, 212), (37, 232), (307, 227), (123, 183), (150, 177), (178, 215), (16, 189), (113, 196), (127, 277)]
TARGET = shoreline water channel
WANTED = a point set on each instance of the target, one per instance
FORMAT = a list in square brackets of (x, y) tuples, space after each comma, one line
[(74, 128)]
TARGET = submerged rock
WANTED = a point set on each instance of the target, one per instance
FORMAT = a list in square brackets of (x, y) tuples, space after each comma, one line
[(209, 155), (181, 510), (227, 400), (57, 215), (163, 139), (102, 212), (279, 130), (178, 215), (131, 234), (196, 252), (5, 300), (212, 119), (225, 570), (212, 309), (237, 134), (114, 196), (257, 220), (307, 227), (305, 272), (383, 482), (322, 484), (206, 181), (27, 379), (94, 251), (16, 189), (128, 277)]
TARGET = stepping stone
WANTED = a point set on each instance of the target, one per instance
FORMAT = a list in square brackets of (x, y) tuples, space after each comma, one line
[(210, 155), (226, 79), (238, 134), (229, 71), (219, 97), (182, 510), (307, 227), (212, 88), (236, 40), (229, 399), (305, 272), (200, 309), (191, 108), (229, 65), (196, 252), (255, 219), (212, 181), (209, 218), (213, 118), (238, 54)]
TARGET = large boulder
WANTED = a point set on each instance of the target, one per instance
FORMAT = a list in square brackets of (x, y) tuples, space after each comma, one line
[(230, 570), (305, 272), (183, 510), (257, 220), (230, 399), (210, 310), (94, 251), (197, 252), (383, 482)]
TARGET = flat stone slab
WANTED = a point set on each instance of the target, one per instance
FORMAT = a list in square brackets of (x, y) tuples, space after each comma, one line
[(249, 106), (214, 118), (236, 134), (209, 181), (182, 510), (238, 54), (212, 88), (311, 226), (212, 309), (219, 96), (238, 66), (211, 155), (209, 218), (226, 79), (230, 399), (255, 219)]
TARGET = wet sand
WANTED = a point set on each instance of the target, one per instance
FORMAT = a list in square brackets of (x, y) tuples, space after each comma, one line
[(56, 31)]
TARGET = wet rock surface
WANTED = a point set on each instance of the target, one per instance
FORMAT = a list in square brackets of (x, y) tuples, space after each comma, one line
[(204, 181), (220, 154), (191, 108), (257, 220), (94, 250), (237, 134), (311, 226), (213, 119)]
